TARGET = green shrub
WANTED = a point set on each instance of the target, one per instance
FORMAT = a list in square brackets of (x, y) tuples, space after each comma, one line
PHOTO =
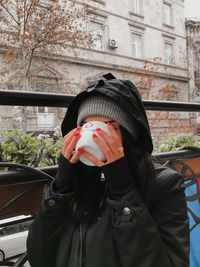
[(43, 150), (177, 142), (25, 148), (52, 149), (19, 147)]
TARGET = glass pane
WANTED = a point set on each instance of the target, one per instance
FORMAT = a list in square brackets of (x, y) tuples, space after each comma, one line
[(136, 44), (97, 27), (135, 6), (97, 33), (97, 41), (41, 109), (167, 14), (24, 226), (1, 232), (168, 53), (51, 109), (11, 229)]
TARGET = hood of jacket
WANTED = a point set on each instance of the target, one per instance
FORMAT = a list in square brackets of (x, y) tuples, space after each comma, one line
[(125, 94)]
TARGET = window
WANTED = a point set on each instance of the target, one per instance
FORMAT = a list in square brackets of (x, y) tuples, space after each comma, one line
[(167, 14), (41, 109), (46, 109), (136, 6), (168, 53), (97, 33), (136, 42), (15, 228)]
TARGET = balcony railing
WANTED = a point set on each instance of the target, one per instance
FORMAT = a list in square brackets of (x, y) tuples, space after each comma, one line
[(24, 98), (22, 188)]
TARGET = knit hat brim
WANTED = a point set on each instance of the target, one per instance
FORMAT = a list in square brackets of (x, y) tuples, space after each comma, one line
[(103, 106)]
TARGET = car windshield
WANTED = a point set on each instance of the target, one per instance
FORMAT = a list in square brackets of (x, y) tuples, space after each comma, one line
[(15, 228)]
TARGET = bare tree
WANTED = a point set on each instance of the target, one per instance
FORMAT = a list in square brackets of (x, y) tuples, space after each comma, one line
[(38, 27)]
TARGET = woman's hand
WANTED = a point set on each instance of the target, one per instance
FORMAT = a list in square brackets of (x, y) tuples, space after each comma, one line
[(69, 144), (112, 149)]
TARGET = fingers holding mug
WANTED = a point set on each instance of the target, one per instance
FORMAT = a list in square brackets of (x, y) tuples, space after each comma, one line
[(76, 155), (70, 141)]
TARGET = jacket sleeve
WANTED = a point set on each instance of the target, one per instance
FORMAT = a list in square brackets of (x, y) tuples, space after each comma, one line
[(43, 235), (67, 175), (149, 237)]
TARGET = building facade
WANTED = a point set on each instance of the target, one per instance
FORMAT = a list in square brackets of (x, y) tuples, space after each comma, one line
[(193, 51), (144, 41)]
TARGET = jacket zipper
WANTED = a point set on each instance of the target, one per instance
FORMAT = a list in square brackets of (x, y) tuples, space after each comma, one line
[(83, 231)]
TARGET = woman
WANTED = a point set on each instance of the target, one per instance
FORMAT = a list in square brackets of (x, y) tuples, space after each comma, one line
[(124, 212)]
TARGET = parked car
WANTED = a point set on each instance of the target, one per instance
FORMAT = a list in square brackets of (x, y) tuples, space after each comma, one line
[(13, 236)]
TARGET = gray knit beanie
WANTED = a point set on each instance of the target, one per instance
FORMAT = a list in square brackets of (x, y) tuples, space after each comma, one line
[(103, 106)]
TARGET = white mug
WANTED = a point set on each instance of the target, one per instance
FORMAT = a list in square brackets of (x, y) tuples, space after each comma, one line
[(86, 141)]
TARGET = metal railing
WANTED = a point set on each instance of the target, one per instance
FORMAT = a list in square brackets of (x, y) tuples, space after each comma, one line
[(21, 98), (24, 98)]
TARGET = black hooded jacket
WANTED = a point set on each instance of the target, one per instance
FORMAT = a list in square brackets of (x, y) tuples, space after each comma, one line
[(95, 223)]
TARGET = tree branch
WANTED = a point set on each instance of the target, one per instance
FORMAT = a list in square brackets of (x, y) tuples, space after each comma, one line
[(7, 10), (28, 14), (24, 15), (30, 61)]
